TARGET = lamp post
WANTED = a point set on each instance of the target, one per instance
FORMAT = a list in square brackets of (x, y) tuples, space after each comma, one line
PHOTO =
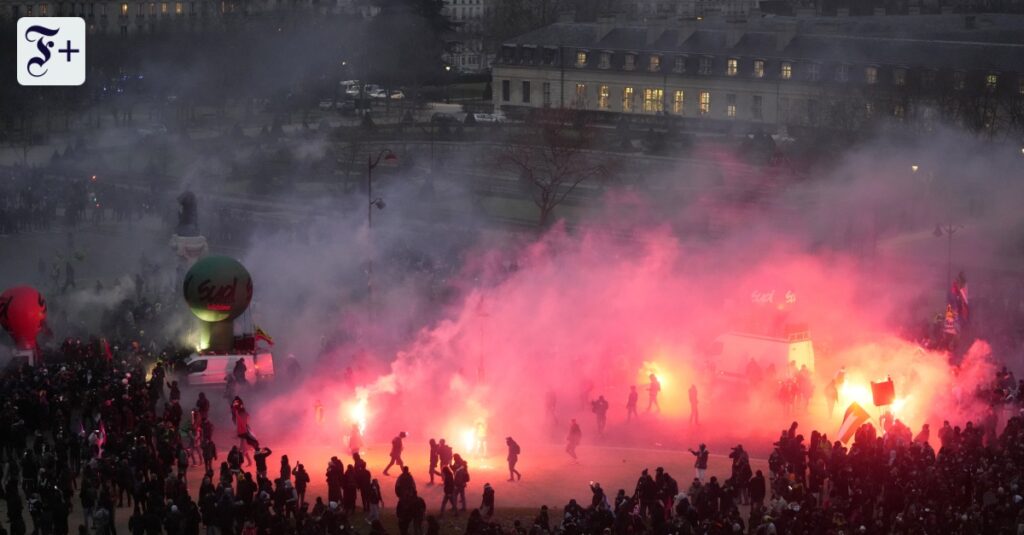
[(948, 230), (447, 82), (372, 203)]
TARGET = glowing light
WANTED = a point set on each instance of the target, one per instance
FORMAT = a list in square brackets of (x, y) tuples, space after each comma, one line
[(357, 411), (469, 439), (897, 405), (913, 168), (860, 394)]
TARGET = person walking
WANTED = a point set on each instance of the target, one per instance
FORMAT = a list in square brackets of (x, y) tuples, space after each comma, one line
[(513, 457), (396, 452), (574, 439)]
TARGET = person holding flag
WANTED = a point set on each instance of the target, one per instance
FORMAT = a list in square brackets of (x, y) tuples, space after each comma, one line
[(854, 417)]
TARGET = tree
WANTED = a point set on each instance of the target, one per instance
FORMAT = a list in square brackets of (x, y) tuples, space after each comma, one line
[(551, 158)]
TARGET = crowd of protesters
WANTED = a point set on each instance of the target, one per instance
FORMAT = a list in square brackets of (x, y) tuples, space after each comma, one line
[(96, 431)]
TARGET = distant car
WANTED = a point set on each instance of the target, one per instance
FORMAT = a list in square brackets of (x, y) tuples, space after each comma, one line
[(326, 105), (488, 118), (377, 93), (152, 130), (353, 107), (397, 95), (443, 118)]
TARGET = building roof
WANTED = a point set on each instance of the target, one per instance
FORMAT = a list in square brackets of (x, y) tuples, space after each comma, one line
[(990, 42)]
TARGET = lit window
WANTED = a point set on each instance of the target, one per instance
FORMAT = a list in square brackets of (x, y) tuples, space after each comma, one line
[(655, 64), (178, 8), (732, 67), (654, 100), (898, 111), (627, 99), (581, 96), (678, 102), (163, 8), (813, 72), (899, 77), (605, 61), (44, 9), (124, 10), (581, 58), (705, 65), (959, 80), (757, 107), (758, 68), (602, 97), (679, 66), (629, 62), (787, 70), (991, 81), (730, 105), (871, 75), (152, 8), (843, 73), (705, 102)]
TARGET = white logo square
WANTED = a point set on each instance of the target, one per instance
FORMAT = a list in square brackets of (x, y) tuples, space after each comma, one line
[(51, 51)]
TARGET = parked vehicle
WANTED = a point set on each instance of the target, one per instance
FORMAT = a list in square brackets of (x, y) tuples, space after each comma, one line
[(489, 118), (354, 107), (443, 118), (213, 369), (357, 90)]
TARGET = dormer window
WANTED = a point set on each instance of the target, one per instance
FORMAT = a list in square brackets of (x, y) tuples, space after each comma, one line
[(705, 65), (927, 79), (581, 58), (959, 80), (991, 82), (843, 73), (732, 67), (786, 71), (605, 61), (813, 72), (899, 77), (629, 63), (654, 64), (871, 75), (758, 68), (679, 65)]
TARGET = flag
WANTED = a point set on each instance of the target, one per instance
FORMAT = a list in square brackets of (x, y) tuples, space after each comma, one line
[(855, 417), (260, 334)]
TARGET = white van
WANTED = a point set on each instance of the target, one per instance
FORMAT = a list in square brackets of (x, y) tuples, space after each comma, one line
[(737, 349), (213, 369)]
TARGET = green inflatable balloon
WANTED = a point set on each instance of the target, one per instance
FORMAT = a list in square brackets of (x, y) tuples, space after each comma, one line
[(218, 288)]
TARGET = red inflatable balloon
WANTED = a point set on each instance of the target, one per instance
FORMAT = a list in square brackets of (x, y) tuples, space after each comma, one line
[(22, 313)]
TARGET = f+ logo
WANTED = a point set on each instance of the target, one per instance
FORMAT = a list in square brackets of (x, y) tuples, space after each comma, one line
[(39, 38)]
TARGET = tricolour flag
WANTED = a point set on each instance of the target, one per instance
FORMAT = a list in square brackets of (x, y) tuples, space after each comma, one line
[(855, 417), (260, 334)]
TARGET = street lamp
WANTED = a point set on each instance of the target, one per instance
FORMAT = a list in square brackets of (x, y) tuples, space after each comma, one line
[(948, 230), (447, 71), (371, 203)]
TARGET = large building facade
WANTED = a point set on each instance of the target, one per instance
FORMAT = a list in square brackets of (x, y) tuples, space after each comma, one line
[(466, 53), (770, 73)]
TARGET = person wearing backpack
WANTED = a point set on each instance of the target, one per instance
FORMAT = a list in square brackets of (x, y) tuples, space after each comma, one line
[(513, 457)]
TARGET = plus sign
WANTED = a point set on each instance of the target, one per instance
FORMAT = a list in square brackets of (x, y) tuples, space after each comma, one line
[(68, 51)]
